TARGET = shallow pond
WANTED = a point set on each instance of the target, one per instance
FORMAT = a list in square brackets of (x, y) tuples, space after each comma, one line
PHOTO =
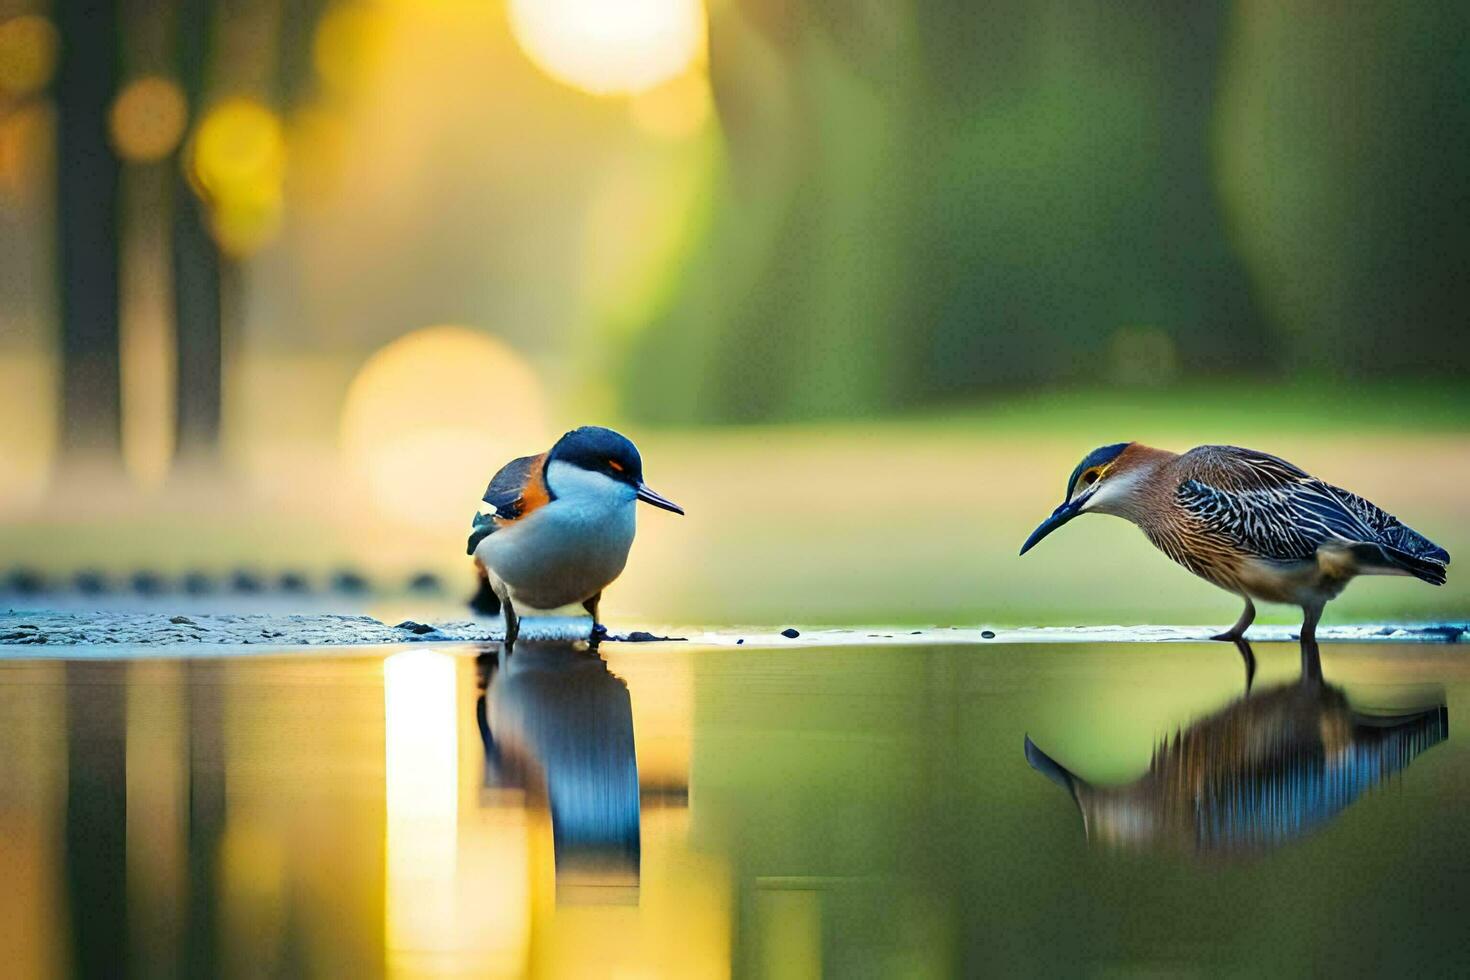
[(684, 810)]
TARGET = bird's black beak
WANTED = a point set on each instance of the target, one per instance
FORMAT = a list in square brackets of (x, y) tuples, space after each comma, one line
[(1058, 517), (1050, 768), (649, 496)]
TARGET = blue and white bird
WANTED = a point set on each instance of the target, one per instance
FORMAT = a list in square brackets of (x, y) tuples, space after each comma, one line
[(1248, 522), (558, 526)]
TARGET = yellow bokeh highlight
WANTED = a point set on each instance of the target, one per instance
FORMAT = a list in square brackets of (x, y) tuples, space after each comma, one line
[(675, 110), (431, 417), (147, 119), (611, 47), (28, 51), (237, 164), (25, 144), (348, 45), (318, 141)]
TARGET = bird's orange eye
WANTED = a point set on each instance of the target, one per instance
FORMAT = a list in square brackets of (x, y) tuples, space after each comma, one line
[(615, 465)]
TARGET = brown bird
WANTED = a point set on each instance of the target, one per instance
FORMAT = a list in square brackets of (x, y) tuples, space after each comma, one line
[(1248, 522), (1265, 769)]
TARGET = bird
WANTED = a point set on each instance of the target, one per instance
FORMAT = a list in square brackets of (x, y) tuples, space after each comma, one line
[(1262, 771), (558, 526), (557, 725), (1248, 522)]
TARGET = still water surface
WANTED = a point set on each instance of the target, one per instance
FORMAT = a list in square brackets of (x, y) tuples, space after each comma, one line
[(672, 810)]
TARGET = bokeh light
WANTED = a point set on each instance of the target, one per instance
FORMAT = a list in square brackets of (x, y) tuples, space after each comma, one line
[(318, 139), (147, 119), (348, 43), (611, 47), (25, 145), (28, 49), (237, 164), (675, 110), (431, 416)]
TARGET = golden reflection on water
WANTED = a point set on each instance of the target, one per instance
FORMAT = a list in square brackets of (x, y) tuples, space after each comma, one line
[(421, 775), (670, 811)]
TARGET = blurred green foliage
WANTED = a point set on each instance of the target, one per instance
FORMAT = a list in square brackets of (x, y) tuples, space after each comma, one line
[(923, 201)]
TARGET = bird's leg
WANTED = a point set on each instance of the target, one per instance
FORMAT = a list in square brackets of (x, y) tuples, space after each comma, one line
[(1249, 656), (1311, 615), (1237, 632), (1311, 656), (512, 624), (598, 630)]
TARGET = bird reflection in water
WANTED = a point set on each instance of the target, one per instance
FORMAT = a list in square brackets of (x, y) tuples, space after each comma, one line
[(1271, 766), (558, 725)]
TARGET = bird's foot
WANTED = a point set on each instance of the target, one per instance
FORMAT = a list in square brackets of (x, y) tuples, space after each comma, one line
[(1230, 635)]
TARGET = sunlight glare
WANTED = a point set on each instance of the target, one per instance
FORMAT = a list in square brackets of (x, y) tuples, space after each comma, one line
[(610, 47), (675, 110), (430, 418), (422, 774), (348, 46)]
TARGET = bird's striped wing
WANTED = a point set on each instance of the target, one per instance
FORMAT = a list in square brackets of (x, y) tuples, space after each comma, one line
[(1273, 524), (518, 489), (1269, 508)]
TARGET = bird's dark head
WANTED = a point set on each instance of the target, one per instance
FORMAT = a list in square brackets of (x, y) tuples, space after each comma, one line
[(1090, 476), (610, 454)]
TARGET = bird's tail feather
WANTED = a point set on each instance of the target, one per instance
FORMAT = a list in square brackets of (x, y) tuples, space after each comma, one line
[(1430, 567)]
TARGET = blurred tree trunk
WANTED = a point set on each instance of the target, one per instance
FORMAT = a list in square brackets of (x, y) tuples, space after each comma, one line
[(199, 328), (197, 266), (201, 956), (87, 182), (97, 816)]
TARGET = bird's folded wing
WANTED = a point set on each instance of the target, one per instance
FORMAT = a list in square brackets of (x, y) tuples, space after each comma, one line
[(518, 488), (1285, 522)]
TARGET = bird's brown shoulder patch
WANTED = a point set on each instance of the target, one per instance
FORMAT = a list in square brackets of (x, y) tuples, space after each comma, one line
[(534, 493)]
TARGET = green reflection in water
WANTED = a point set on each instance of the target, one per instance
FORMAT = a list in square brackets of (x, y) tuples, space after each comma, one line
[(697, 812)]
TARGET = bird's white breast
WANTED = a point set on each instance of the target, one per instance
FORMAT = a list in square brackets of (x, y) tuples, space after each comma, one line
[(569, 549)]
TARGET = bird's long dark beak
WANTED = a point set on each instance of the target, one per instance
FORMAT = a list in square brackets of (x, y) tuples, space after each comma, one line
[(1058, 517), (649, 496), (1050, 768)]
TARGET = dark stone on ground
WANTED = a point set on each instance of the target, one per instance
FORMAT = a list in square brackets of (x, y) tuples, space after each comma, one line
[(643, 636), (418, 629), (987, 634), (790, 633)]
